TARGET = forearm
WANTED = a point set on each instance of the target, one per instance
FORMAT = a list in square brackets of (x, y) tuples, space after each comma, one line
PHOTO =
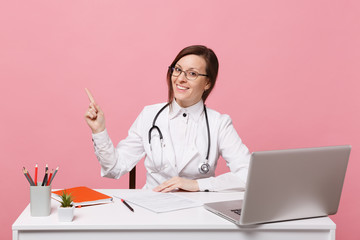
[(225, 182), (115, 162), (106, 154)]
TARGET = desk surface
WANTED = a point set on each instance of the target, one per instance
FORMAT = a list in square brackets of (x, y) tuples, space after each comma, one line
[(115, 216)]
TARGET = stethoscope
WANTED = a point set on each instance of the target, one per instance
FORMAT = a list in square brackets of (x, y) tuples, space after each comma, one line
[(204, 167)]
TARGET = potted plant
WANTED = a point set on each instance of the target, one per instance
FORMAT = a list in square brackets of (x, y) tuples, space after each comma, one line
[(66, 209)]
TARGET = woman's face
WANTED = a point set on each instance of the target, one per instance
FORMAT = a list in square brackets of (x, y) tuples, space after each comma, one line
[(189, 92)]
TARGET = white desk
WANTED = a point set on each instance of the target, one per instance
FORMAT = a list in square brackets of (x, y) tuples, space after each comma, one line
[(115, 221)]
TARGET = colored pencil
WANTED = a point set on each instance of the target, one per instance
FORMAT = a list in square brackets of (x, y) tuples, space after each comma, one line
[(45, 178), (27, 177), (51, 173), (28, 174), (52, 178), (36, 174)]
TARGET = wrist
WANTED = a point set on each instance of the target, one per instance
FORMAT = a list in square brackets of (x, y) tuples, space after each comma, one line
[(98, 130)]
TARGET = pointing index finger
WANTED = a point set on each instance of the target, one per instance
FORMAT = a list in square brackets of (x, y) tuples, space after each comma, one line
[(91, 98)]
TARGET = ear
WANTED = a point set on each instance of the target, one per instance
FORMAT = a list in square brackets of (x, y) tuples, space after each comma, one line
[(207, 86)]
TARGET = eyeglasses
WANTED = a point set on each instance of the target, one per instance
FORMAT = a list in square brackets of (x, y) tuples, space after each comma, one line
[(189, 74)]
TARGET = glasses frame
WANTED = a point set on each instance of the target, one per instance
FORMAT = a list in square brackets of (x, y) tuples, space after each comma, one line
[(185, 72)]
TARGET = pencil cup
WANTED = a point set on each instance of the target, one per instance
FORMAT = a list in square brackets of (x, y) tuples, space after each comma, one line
[(40, 200)]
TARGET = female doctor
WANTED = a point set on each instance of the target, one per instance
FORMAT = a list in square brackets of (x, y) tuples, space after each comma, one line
[(182, 139)]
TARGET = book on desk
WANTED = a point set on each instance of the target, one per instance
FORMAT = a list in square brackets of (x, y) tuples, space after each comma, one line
[(83, 196)]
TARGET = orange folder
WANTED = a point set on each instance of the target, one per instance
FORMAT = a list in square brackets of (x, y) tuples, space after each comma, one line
[(83, 196)]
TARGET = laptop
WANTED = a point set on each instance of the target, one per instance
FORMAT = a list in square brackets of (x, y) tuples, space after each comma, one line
[(289, 184)]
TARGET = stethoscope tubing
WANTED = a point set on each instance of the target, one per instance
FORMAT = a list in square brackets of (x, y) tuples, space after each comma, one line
[(204, 167), (156, 127)]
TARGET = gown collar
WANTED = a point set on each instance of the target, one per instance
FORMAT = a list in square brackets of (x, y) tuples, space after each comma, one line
[(193, 111)]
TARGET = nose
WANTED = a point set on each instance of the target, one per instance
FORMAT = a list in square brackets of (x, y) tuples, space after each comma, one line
[(182, 77)]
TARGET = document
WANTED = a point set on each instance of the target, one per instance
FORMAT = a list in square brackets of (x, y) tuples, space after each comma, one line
[(158, 202)]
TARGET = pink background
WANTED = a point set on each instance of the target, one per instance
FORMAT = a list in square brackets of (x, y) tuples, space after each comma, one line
[(289, 77)]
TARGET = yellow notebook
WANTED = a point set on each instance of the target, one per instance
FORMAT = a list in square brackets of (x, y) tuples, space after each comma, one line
[(84, 196)]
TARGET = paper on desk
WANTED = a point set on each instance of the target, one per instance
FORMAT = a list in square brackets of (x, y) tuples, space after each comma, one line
[(158, 202)]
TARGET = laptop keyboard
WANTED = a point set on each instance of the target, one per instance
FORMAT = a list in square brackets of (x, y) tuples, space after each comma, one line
[(237, 211)]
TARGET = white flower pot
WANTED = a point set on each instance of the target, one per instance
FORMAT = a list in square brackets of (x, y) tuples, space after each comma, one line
[(66, 214)]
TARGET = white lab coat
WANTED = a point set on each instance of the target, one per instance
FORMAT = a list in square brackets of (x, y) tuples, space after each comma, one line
[(225, 142)]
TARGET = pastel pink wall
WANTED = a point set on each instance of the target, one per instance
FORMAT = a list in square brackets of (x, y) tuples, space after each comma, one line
[(289, 77)]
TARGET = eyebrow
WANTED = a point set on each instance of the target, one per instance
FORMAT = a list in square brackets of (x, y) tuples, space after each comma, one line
[(187, 69)]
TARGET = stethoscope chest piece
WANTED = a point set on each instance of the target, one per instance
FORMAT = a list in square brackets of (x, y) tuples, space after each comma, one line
[(204, 168)]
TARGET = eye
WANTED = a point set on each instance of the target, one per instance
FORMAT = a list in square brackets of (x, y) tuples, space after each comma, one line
[(192, 73), (176, 69)]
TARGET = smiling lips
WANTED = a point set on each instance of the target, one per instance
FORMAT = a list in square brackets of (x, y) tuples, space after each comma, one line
[(181, 87)]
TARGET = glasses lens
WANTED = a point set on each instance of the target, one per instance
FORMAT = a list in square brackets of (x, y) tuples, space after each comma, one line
[(176, 71), (191, 75)]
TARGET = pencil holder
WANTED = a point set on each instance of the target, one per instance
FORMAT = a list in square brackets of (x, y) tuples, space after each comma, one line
[(40, 204)]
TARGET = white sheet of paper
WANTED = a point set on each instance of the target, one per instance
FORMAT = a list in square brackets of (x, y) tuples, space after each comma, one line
[(158, 202)]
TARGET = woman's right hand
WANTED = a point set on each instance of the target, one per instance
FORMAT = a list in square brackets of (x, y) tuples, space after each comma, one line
[(94, 116)]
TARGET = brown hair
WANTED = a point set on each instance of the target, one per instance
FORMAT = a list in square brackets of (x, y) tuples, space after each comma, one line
[(212, 67)]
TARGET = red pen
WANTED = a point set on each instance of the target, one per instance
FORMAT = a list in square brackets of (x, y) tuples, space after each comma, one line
[(36, 173)]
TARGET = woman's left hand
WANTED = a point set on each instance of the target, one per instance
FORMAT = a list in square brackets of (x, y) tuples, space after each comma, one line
[(178, 183)]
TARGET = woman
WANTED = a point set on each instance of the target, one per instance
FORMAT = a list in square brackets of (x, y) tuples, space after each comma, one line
[(181, 139)]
